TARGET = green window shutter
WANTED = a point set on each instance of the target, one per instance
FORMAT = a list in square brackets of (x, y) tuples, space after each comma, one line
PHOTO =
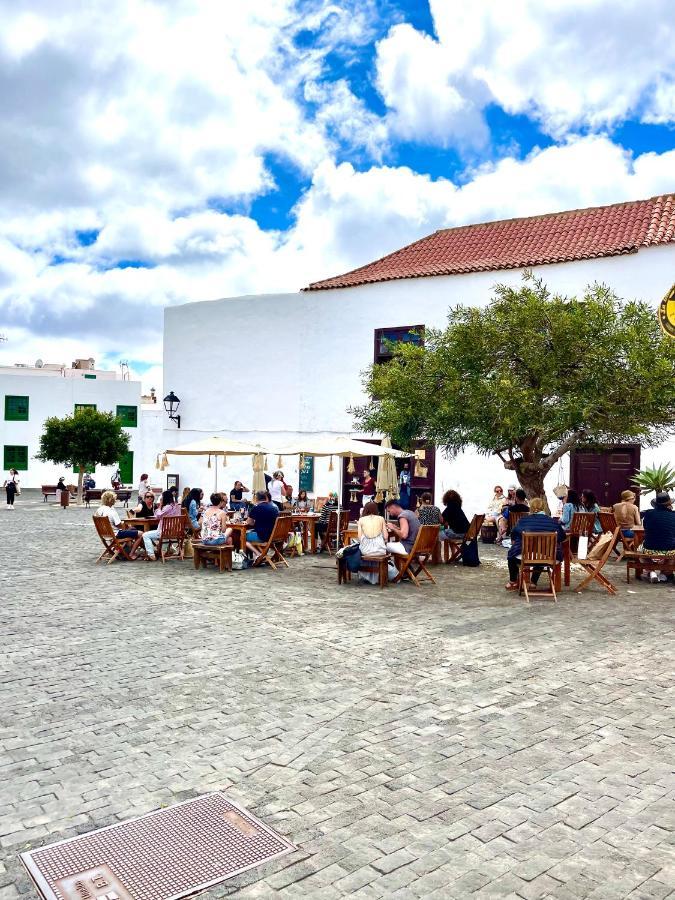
[(16, 408), (128, 416), (15, 457), (81, 406), (126, 467), (90, 376)]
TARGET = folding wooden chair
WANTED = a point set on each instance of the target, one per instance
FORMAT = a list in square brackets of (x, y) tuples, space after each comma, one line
[(172, 538), (608, 523), (454, 547), (416, 561), (538, 550), (334, 529), (271, 550), (593, 565), (112, 545)]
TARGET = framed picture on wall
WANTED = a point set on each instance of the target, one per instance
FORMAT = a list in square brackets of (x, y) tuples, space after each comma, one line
[(172, 481)]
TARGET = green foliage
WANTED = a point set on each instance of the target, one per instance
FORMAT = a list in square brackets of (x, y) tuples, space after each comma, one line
[(655, 478), (528, 377), (86, 438)]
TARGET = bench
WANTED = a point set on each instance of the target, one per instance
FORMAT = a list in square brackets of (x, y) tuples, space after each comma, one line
[(49, 490), (218, 554), (647, 562), (123, 495)]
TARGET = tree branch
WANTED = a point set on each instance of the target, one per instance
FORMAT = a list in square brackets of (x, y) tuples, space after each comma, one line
[(549, 461)]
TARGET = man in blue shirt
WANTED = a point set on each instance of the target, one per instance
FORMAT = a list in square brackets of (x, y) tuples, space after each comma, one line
[(537, 521), (261, 519), (659, 525)]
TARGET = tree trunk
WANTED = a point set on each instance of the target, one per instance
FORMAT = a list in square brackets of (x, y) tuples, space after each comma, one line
[(532, 482), (80, 478)]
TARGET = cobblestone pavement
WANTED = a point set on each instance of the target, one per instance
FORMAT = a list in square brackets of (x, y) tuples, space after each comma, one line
[(444, 742)]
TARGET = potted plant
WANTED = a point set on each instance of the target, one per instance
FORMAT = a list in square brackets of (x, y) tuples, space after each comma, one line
[(655, 478)]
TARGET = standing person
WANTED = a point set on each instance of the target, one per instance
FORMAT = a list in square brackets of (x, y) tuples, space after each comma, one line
[(329, 506), (404, 486), (116, 479), (261, 519), (427, 513), (88, 483), (237, 502), (536, 521), (214, 530), (107, 510), (277, 489), (372, 534), (12, 487), (368, 485), (168, 507), (405, 532), (143, 485), (454, 518), (192, 505)]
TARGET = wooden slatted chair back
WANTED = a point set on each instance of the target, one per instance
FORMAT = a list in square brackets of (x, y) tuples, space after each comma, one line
[(474, 528), (412, 565), (426, 540), (282, 528), (515, 517), (582, 524), (104, 527), (607, 520), (173, 528), (539, 548)]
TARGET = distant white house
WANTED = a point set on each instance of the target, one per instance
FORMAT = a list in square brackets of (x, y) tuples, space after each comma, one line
[(30, 394), (291, 364)]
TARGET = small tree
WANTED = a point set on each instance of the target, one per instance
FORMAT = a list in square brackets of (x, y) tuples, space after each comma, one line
[(86, 438), (528, 378)]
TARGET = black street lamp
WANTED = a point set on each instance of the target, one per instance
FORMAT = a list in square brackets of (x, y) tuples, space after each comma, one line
[(171, 404)]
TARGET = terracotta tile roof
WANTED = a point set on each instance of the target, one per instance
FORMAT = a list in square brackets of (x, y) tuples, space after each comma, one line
[(520, 243)]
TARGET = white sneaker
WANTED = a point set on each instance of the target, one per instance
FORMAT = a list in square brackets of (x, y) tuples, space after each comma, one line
[(662, 578), (653, 577)]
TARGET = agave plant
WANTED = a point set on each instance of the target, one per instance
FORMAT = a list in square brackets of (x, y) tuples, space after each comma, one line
[(655, 478)]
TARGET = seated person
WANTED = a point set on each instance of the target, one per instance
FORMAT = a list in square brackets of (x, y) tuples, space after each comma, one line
[(536, 521), (659, 537), (626, 513), (192, 505), (427, 513), (145, 509), (373, 535), (88, 484), (329, 506), (454, 519), (518, 504), (261, 518), (237, 502), (590, 504), (302, 504), (61, 486), (368, 485), (494, 508), (403, 534), (107, 510), (168, 506), (214, 530), (571, 505)]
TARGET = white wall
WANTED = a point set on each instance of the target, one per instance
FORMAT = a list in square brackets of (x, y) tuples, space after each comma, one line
[(304, 354), (53, 395)]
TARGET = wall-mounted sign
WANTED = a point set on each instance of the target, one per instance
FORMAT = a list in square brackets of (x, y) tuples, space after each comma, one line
[(667, 313), (306, 480)]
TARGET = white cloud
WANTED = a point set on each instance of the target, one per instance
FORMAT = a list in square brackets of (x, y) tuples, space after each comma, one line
[(579, 63)]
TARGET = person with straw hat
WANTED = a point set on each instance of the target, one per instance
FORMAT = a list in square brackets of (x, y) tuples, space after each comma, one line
[(626, 513)]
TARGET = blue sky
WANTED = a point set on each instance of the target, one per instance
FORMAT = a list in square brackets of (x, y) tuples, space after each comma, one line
[(199, 150)]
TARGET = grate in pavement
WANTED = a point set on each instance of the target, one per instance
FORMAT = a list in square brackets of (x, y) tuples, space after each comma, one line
[(167, 854)]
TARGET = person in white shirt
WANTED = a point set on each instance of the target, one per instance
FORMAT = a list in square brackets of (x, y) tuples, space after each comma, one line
[(143, 487), (12, 487), (107, 510), (277, 489)]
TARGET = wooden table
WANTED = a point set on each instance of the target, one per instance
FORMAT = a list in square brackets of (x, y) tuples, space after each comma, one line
[(239, 530), (140, 524), (308, 522)]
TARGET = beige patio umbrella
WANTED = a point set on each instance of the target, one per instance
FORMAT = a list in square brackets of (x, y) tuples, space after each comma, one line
[(215, 448), (258, 483), (386, 482)]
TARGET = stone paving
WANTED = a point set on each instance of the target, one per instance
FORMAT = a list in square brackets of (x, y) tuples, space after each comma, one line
[(445, 742)]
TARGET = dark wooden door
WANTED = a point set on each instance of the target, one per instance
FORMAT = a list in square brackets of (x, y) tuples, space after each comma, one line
[(607, 471)]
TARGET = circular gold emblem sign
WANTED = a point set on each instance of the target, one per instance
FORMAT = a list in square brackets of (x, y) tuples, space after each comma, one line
[(667, 313)]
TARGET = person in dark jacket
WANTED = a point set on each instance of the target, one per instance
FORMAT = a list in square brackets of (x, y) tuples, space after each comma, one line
[(659, 536), (536, 521)]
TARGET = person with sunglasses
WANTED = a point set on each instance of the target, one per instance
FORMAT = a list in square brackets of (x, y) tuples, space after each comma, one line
[(146, 506)]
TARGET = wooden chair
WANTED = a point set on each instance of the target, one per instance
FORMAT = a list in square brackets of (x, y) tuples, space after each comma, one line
[(608, 523), (218, 554), (416, 561), (514, 518), (335, 529), (112, 545), (172, 538), (453, 547), (538, 550), (271, 550), (593, 565), (190, 530), (372, 563), (582, 525)]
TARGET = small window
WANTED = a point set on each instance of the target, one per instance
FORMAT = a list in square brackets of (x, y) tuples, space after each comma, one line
[(16, 458), (385, 337), (80, 406), (128, 415), (90, 377), (16, 408)]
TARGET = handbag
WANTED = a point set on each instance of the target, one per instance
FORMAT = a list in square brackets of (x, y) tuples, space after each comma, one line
[(188, 549), (238, 560), (352, 557), (560, 490), (470, 554)]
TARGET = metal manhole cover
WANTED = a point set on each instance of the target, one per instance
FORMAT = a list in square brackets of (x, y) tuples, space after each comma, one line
[(163, 855)]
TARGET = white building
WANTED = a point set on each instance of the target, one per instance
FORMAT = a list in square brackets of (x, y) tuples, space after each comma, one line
[(305, 352), (30, 394)]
